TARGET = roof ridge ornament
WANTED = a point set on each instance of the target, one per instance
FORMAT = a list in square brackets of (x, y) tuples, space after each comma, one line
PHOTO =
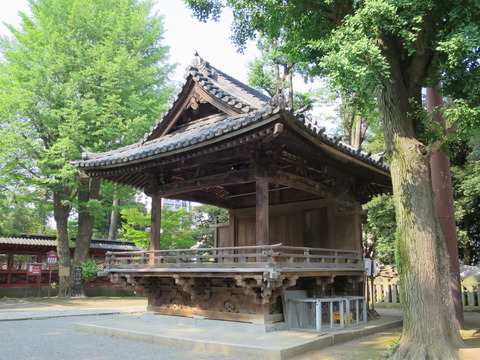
[(278, 100), (202, 65)]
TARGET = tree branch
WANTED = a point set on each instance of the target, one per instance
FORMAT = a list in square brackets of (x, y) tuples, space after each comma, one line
[(451, 131)]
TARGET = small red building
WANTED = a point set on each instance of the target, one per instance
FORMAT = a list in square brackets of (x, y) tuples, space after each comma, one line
[(17, 252)]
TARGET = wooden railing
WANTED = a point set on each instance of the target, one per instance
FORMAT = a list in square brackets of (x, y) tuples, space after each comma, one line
[(267, 256)]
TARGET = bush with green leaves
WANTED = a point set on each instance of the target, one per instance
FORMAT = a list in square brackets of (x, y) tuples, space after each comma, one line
[(89, 270)]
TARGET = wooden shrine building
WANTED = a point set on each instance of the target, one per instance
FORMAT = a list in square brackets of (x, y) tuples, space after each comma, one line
[(292, 191)]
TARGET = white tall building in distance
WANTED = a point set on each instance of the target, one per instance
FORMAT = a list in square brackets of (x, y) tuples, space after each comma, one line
[(172, 204)]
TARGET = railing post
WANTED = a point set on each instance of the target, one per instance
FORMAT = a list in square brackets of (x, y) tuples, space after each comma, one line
[(108, 259), (306, 252)]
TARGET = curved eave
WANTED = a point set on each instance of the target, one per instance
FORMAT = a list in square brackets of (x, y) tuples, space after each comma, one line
[(234, 129), (337, 148)]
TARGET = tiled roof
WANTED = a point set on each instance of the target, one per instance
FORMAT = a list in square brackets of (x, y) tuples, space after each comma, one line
[(95, 244), (189, 135), (220, 85), (226, 88), (215, 127), (369, 158), (27, 241), (114, 245)]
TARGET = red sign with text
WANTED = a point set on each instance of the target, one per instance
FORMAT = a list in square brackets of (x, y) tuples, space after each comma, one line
[(34, 269), (52, 259)]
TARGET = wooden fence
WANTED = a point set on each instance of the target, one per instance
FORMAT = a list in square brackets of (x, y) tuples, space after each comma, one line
[(387, 289)]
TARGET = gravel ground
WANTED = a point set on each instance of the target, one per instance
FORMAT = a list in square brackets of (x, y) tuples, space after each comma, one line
[(56, 339)]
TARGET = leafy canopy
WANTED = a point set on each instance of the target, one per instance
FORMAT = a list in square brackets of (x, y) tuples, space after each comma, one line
[(79, 73), (343, 40)]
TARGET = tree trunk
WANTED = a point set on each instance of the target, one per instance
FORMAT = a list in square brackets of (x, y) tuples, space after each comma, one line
[(357, 132), (467, 248), (114, 220), (88, 189), (430, 329), (290, 88), (61, 213), (43, 212)]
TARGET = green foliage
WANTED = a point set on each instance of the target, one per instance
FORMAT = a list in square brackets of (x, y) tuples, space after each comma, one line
[(343, 41), (78, 73), (181, 229), (108, 192), (379, 229), (466, 187), (273, 72), (392, 348), (177, 226), (260, 77), (135, 225), (204, 216), (89, 270), (22, 212)]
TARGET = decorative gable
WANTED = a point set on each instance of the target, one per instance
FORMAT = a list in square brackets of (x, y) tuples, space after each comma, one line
[(207, 92)]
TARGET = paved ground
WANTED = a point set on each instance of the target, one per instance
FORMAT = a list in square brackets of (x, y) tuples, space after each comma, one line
[(20, 309), (45, 331), (56, 339)]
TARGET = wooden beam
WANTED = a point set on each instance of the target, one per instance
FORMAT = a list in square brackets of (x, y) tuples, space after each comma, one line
[(300, 183), (203, 197), (156, 222), (262, 217), (230, 178)]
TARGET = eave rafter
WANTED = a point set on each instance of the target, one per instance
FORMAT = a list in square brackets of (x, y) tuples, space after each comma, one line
[(319, 159), (202, 183)]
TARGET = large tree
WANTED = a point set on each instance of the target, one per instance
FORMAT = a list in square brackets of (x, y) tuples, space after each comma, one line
[(78, 73), (392, 47)]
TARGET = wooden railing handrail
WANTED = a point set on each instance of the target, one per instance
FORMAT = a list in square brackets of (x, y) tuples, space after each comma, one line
[(197, 249), (256, 247), (243, 256)]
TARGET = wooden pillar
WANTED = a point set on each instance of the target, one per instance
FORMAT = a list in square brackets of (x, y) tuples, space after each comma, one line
[(444, 203), (331, 226), (156, 222), (262, 216), (357, 226)]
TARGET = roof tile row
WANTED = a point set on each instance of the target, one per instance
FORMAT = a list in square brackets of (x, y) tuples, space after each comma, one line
[(95, 244)]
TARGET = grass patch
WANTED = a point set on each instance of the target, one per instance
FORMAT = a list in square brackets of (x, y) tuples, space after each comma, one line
[(471, 337)]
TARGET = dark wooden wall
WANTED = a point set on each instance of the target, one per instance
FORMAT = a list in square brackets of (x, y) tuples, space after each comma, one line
[(310, 224)]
